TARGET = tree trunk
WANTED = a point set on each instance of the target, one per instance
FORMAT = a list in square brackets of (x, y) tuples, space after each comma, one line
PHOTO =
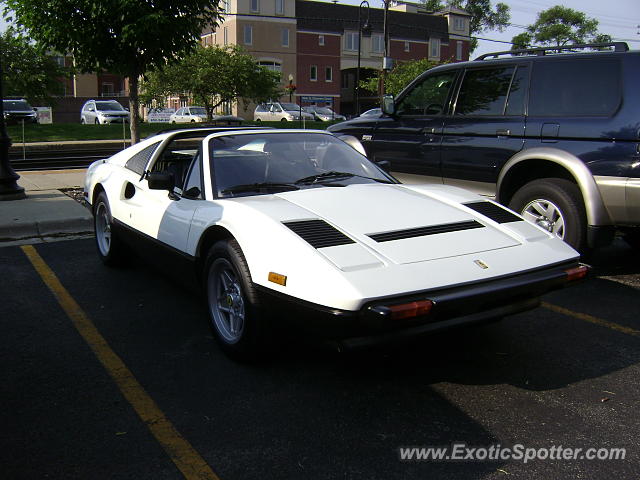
[(134, 105)]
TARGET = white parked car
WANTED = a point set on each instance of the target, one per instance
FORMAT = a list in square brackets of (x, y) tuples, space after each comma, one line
[(279, 112), (296, 225), (189, 115), (103, 112)]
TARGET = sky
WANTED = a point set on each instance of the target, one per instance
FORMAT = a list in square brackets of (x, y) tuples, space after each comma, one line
[(621, 21)]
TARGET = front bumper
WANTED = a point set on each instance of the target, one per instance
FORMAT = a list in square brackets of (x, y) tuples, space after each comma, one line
[(452, 307), (110, 120)]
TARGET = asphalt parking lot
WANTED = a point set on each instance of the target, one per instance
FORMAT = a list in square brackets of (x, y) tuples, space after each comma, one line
[(113, 374)]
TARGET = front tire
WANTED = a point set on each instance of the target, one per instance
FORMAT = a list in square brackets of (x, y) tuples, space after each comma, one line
[(556, 205), (109, 245), (236, 317), (632, 237)]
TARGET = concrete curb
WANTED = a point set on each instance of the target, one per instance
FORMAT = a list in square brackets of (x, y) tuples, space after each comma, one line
[(47, 213)]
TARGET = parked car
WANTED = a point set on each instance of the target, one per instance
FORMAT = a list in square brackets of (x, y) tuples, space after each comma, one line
[(103, 112), (189, 115), (16, 111), (324, 114), (279, 112), (297, 226), (373, 112), (552, 135)]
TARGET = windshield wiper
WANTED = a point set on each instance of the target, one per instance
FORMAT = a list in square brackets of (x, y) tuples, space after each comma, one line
[(260, 187), (334, 175)]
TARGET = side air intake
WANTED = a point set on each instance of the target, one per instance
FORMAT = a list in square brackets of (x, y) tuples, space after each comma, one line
[(494, 212), (424, 231), (318, 233)]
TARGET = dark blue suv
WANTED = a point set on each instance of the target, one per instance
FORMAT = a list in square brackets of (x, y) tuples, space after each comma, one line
[(552, 133)]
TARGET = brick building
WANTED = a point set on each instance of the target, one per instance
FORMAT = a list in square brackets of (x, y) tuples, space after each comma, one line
[(314, 45)]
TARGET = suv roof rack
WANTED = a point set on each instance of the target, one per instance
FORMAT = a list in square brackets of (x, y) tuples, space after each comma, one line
[(618, 47)]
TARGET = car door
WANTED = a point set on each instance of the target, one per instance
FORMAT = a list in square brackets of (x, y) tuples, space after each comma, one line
[(487, 126), (159, 214), (410, 139), (90, 113)]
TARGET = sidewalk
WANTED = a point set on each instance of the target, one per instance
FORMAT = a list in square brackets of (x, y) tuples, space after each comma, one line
[(46, 213)]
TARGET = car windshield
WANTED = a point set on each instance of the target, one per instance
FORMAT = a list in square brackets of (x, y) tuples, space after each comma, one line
[(197, 110), (15, 105), (271, 162), (109, 107), (290, 107), (324, 111)]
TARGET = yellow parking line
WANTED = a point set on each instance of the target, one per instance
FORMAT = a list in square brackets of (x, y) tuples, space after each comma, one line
[(183, 455), (591, 319)]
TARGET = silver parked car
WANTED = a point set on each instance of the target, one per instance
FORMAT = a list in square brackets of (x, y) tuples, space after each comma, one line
[(279, 112), (189, 115), (324, 114), (103, 112)]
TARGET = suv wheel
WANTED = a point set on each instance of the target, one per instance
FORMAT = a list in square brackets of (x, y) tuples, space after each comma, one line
[(554, 204), (632, 237)]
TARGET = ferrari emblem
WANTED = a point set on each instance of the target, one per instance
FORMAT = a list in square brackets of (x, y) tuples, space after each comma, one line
[(481, 264)]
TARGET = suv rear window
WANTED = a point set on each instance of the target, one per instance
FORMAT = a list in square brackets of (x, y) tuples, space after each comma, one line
[(575, 87)]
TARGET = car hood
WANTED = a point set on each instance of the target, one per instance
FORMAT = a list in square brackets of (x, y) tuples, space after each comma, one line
[(385, 219)]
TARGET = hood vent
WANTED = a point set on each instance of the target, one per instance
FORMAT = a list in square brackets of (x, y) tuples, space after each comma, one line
[(424, 231), (494, 212), (318, 233)]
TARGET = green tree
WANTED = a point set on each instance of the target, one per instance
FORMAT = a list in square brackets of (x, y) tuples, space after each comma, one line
[(120, 36), (212, 76), (559, 26), (29, 71), (484, 16), (399, 77)]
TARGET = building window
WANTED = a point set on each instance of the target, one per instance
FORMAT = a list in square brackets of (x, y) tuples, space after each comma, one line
[(313, 74), (107, 89), (285, 37), (407, 46), (377, 43), (279, 7), (351, 41), (248, 35), (458, 50), (321, 40), (225, 35), (328, 72), (434, 47), (271, 65), (226, 6), (459, 24), (255, 6)]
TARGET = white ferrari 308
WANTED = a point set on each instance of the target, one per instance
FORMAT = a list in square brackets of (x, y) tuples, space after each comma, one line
[(299, 226)]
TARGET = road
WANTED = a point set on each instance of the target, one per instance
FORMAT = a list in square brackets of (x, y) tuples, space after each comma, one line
[(566, 374)]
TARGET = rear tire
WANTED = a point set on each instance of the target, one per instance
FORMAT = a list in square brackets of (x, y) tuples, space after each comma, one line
[(556, 205), (258, 120), (111, 250), (235, 313), (283, 119)]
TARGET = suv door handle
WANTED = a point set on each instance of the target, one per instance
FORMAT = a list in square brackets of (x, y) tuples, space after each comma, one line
[(430, 130), (503, 132)]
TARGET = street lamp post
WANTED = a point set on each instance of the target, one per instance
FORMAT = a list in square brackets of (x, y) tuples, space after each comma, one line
[(9, 188), (366, 27)]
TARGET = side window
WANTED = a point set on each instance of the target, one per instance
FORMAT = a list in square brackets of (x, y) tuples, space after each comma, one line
[(428, 97), (484, 91), (518, 91), (193, 184), (138, 162), (176, 158), (589, 86)]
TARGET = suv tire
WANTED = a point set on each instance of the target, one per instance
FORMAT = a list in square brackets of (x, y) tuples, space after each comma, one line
[(556, 205)]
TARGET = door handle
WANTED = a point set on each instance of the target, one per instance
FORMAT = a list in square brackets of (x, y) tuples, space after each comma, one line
[(430, 130), (503, 132)]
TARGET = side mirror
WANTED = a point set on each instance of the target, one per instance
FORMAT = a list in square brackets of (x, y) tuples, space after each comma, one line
[(388, 105), (160, 181)]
